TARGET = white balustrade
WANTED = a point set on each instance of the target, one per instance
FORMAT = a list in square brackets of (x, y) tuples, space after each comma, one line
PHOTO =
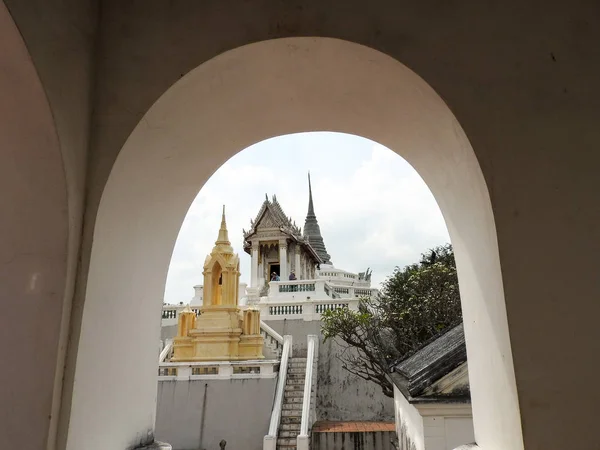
[(270, 440), (306, 310), (302, 441), (217, 370)]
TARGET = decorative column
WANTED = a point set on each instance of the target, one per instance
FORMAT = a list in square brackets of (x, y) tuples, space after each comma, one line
[(283, 269), (254, 263), (297, 261)]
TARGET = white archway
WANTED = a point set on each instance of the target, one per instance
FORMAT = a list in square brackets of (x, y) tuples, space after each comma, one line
[(234, 100), (34, 240)]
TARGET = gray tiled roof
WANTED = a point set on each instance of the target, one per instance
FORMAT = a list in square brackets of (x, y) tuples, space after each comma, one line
[(434, 360)]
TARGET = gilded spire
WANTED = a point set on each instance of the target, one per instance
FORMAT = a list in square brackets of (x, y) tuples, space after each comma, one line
[(223, 243), (312, 231)]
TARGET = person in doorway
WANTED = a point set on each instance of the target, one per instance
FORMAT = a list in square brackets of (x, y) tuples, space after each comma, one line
[(274, 276), (292, 276)]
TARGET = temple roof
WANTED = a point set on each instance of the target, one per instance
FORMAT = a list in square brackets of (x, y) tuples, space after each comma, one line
[(271, 215), (312, 231)]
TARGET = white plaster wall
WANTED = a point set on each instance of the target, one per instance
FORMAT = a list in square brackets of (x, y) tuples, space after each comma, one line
[(59, 38), (447, 433), (459, 431), (35, 239), (409, 424), (238, 411)]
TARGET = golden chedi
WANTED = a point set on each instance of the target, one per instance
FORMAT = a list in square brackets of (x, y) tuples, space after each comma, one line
[(221, 332)]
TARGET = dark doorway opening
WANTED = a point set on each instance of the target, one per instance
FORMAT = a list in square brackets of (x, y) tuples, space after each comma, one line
[(274, 268)]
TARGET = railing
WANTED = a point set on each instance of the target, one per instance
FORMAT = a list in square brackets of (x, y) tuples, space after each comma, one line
[(217, 370), (270, 440), (306, 423), (358, 292), (306, 310), (297, 287), (273, 340), (286, 310), (166, 351), (320, 308), (315, 289)]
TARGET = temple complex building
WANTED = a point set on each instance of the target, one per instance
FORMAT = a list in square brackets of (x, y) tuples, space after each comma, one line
[(282, 252)]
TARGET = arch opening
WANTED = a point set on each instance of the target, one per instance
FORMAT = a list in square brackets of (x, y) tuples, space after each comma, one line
[(237, 99)]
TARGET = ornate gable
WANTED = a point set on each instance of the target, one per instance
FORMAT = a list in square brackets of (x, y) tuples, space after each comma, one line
[(268, 220), (271, 215)]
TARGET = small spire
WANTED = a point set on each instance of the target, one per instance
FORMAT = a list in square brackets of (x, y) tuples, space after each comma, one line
[(223, 234)]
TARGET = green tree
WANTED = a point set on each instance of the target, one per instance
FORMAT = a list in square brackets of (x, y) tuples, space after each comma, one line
[(415, 304)]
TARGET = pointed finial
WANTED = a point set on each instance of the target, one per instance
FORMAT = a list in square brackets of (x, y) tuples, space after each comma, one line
[(266, 197), (223, 234)]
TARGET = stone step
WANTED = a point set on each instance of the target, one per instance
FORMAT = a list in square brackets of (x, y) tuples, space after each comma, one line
[(296, 364), (296, 376), (297, 387), (291, 420), (291, 413), (288, 434), (297, 370), (285, 447), (296, 399), (294, 406), (286, 441), (298, 360), (298, 393), (295, 427), (294, 381)]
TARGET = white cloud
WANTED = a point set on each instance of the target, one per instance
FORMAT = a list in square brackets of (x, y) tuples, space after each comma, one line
[(373, 208)]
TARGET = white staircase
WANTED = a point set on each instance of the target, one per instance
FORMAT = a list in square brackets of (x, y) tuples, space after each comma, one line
[(293, 408), (291, 414)]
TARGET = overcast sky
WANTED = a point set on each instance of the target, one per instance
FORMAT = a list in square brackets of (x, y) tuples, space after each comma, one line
[(373, 208)]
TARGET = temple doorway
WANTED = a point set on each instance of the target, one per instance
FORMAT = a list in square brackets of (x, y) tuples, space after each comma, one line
[(274, 268)]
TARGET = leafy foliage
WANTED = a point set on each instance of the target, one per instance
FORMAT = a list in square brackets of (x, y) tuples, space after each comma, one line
[(415, 304)]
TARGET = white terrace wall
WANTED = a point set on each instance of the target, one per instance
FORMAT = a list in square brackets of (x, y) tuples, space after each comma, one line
[(340, 395), (236, 410)]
